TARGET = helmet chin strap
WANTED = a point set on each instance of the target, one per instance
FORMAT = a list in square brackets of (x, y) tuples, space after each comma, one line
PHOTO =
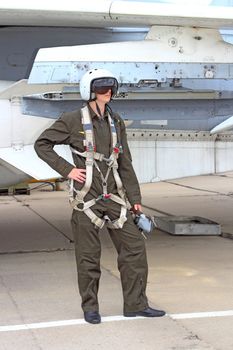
[(93, 97), (98, 109)]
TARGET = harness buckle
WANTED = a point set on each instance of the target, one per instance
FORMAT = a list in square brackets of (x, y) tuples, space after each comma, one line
[(104, 197), (90, 147), (118, 149), (80, 205), (109, 161)]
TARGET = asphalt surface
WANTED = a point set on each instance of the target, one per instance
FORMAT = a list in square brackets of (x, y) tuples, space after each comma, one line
[(187, 275)]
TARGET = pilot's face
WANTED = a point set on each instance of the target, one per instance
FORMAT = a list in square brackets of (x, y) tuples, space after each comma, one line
[(105, 97)]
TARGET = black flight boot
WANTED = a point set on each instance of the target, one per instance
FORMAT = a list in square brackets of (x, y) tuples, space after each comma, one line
[(92, 317), (148, 312)]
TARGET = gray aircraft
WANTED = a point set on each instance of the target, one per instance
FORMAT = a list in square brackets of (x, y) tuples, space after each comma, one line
[(174, 67)]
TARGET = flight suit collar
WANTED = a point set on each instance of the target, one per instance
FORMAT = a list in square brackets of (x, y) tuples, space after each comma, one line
[(94, 115)]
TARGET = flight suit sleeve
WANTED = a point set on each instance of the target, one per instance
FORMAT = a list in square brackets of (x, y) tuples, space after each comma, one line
[(126, 170), (57, 134)]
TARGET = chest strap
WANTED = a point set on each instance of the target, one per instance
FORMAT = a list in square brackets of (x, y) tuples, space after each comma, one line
[(77, 201)]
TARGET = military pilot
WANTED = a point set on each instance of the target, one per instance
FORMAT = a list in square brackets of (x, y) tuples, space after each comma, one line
[(104, 187)]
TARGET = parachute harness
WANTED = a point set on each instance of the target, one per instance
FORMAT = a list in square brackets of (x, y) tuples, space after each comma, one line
[(77, 201)]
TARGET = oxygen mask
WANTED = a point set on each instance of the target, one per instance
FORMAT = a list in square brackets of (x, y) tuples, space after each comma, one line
[(145, 223)]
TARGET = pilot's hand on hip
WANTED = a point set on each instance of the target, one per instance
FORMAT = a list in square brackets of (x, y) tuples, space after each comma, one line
[(78, 175)]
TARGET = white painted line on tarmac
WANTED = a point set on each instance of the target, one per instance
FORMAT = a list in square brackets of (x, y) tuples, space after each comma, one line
[(40, 325), (81, 321), (202, 314)]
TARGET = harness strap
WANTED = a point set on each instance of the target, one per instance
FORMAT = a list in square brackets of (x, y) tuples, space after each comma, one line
[(97, 156), (118, 223), (118, 181), (89, 156), (94, 218)]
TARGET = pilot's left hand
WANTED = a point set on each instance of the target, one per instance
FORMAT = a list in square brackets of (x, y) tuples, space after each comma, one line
[(136, 208)]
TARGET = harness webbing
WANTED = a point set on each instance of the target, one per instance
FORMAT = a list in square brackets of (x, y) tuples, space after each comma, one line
[(77, 201)]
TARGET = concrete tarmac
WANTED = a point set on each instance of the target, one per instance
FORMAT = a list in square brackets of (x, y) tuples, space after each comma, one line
[(187, 275)]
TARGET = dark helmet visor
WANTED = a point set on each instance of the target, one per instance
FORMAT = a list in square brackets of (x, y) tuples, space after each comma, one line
[(103, 85)]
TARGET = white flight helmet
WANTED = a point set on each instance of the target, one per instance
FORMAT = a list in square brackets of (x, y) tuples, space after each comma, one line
[(97, 80)]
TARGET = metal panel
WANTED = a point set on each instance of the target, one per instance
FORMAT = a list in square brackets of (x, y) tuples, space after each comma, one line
[(177, 159), (179, 114), (19, 45), (5, 123), (144, 159), (188, 225), (128, 72), (224, 152)]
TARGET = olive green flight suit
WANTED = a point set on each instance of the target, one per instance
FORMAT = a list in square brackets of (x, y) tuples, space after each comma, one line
[(129, 243)]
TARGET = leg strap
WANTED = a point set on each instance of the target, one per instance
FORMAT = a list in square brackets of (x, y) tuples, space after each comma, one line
[(78, 204)]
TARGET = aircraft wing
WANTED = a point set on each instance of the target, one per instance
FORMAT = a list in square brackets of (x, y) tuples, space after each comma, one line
[(107, 13), (27, 161)]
